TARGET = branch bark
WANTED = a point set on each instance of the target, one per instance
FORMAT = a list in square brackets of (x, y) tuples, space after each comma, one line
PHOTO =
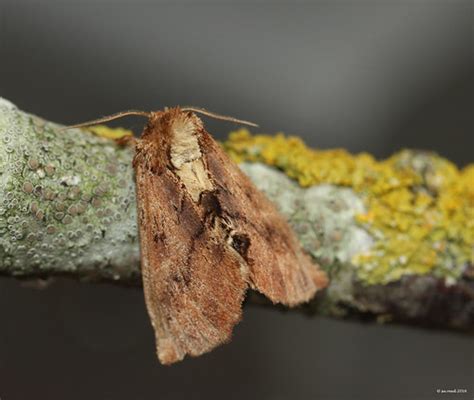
[(67, 208)]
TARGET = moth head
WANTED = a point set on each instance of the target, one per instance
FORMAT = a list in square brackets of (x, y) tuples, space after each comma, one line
[(172, 122)]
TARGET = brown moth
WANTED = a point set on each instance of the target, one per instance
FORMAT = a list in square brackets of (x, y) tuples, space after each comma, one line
[(207, 234)]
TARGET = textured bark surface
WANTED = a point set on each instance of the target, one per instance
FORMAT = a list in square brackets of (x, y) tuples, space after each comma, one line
[(68, 208)]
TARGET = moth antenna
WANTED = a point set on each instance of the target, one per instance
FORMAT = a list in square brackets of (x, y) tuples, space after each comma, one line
[(110, 118), (218, 116)]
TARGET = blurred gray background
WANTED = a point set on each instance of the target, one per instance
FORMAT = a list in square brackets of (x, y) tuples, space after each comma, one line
[(369, 76)]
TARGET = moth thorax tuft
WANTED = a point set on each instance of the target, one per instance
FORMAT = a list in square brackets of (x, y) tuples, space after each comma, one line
[(184, 141), (186, 155)]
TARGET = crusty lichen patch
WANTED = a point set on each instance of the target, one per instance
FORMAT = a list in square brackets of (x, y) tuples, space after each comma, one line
[(419, 206), (67, 199)]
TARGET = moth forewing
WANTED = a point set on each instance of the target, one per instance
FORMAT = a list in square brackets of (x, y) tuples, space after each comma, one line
[(206, 235)]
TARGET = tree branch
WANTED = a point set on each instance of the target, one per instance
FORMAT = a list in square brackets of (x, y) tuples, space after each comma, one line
[(67, 207)]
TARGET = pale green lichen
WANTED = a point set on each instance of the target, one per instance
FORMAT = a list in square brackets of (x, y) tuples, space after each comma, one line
[(67, 198), (419, 206)]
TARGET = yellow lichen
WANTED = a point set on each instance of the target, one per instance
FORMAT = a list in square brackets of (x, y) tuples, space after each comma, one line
[(420, 207), (110, 133)]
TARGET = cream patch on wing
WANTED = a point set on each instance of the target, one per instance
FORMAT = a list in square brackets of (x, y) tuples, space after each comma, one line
[(186, 156)]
